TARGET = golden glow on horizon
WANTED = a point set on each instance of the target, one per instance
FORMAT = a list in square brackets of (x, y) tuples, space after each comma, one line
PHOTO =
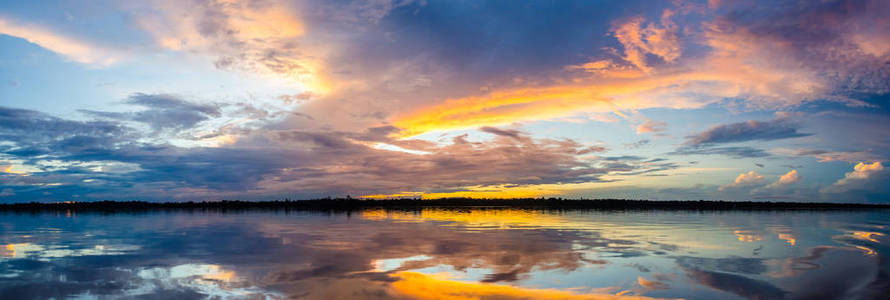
[(441, 287), (488, 192)]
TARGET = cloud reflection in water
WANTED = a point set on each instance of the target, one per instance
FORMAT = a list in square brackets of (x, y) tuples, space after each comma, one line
[(445, 254)]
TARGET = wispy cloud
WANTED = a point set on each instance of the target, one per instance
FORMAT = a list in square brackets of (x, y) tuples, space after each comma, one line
[(73, 48)]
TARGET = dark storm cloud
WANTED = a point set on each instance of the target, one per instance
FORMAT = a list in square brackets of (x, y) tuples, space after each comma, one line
[(746, 131)]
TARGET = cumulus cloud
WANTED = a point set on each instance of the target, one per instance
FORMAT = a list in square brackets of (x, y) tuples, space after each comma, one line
[(260, 36), (865, 176), (785, 180), (749, 179)]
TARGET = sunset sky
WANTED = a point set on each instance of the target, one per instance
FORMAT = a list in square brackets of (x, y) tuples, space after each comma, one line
[(261, 100)]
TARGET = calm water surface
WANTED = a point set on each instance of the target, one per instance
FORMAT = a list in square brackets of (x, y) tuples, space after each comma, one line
[(446, 254)]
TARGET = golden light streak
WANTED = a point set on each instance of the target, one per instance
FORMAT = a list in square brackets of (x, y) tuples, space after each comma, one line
[(541, 103), (867, 235), (421, 286), (789, 238), (10, 251), (747, 236), (487, 192)]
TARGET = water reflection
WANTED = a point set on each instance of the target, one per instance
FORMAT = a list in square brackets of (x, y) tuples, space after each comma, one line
[(446, 254)]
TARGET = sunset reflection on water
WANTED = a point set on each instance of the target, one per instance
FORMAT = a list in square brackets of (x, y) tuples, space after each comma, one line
[(446, 254)]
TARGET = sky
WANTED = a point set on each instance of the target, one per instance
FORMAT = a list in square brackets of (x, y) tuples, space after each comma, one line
[(262, 100)]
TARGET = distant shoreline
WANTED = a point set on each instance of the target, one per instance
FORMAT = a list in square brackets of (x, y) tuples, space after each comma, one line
[(351, 204)]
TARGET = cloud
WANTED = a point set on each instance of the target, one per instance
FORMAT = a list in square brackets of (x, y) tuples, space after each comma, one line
[(746, 131), (640, 39), (785, 180), (745, 180), (734, 152), (865, 177), (73, 48), (828, 156), (113, 157), (651, 126), (31, 133), (706, 142), (763, 63), (501, 132), (637, 144), (736, 284), (163, 112), (652, 284), (265, 38)]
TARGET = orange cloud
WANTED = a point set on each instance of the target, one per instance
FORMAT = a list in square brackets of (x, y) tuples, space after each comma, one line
[(745, 180), (255, 36), (541, 103), (651, 284), (785, 180), (639, 40), (764, 70), (651, 126)]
